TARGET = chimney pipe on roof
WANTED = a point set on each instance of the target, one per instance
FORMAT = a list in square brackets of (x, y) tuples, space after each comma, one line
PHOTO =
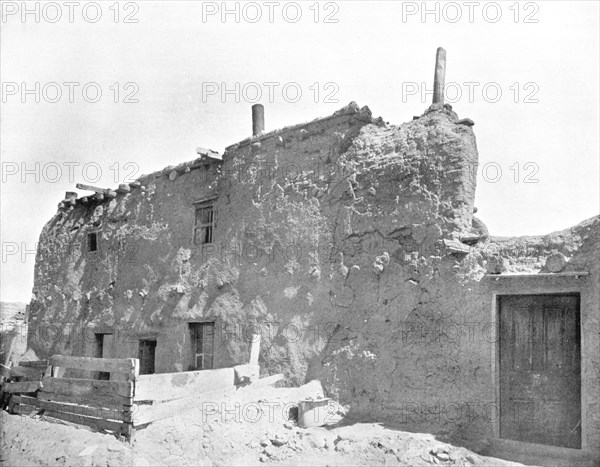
[(258, 119)]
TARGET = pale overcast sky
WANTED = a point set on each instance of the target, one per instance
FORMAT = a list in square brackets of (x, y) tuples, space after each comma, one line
[(542, 56)]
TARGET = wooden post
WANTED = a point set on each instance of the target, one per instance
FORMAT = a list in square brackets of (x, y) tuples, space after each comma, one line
[(439, 78), (81, 186), (135, 372), (255, 349), (10, 350)]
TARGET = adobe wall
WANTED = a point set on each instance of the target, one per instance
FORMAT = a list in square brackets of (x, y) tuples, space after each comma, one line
[(329, 242), (133, 285), (293, 206)]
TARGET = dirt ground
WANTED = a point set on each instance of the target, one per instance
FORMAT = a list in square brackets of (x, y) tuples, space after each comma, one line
[(248, 428)]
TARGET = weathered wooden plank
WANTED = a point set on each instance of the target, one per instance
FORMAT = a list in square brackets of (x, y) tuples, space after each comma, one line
[(454, 246), (13, 339), (72, 386), (136, 371), (169, 386), (255, 349), (120, 365), (32, 374), (263, 382), (144, 414), (107, 414), (245, 374), (94, 422), (35, 363), (539, 275), (81, 186), (94, 399), (24, 409), (11, 405), (4, 371), (24, 387)]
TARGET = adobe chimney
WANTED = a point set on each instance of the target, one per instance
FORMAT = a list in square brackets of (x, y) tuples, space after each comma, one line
[(258, 119), (439, 78)]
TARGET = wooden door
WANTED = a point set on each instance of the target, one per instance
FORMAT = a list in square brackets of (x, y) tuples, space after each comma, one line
[(540, 369), (147, 352)]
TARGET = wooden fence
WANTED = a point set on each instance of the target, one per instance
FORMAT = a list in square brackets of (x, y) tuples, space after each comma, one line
[(103, 405), (126, 401)]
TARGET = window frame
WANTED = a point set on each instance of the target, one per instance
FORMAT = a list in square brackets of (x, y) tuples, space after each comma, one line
[(210, 226), (198, 329)]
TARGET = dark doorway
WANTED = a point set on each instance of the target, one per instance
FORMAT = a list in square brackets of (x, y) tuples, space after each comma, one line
[(540, 369), (101, 353), (147, 352)]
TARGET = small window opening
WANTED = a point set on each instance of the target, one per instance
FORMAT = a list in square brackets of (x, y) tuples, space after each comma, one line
[(92, 241)]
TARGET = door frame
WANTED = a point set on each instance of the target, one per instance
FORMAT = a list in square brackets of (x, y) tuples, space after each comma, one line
[(539, 284)]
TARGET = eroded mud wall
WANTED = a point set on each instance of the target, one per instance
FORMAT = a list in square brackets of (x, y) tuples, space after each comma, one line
[(329, 242)]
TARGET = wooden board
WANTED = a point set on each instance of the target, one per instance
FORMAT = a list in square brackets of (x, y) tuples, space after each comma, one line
[(119, 365), (244, 374), (34, 363), (81, 186), (4, 371), (76, 387), (454, 246), (30, 373), (255, 349), (170, 386), (24, 387), (263, 382), (105, 414), (99, 400), (151, 413), (23, 409), (97, 423)]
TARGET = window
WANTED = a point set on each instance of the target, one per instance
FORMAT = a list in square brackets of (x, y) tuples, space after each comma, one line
[(203, 224), (92, 243), (202, 339)]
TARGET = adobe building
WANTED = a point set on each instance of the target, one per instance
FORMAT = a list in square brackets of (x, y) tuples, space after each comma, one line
[(350, 244)]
